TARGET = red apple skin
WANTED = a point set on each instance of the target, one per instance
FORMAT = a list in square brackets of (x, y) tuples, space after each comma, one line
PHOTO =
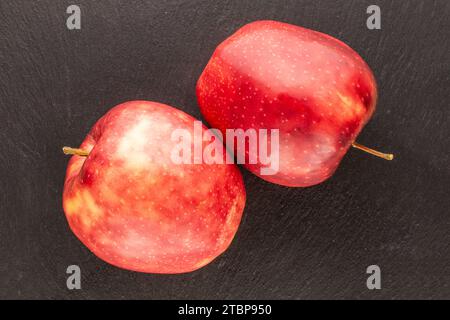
[(135, 209), (315, 89)]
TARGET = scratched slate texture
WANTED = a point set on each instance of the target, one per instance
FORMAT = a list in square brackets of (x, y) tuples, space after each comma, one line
[(293, 243)]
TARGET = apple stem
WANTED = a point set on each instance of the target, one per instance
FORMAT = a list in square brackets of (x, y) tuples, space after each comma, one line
[(74, 151), (385, 156)]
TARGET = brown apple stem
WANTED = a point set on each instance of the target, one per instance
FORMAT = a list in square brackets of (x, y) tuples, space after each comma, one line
[(385, 156), (74, 151)]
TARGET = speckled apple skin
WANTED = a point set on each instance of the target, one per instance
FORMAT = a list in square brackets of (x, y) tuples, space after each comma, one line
[(312, 87), (135, 209)]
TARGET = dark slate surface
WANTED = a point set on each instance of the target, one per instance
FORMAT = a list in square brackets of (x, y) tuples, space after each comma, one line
[(292, 243)]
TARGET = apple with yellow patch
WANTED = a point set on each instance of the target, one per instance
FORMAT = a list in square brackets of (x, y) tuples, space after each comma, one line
[(317, 91), (134, 208)]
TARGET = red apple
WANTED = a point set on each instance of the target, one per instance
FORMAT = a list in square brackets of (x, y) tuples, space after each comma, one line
[(133, 207), (313, 88)]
